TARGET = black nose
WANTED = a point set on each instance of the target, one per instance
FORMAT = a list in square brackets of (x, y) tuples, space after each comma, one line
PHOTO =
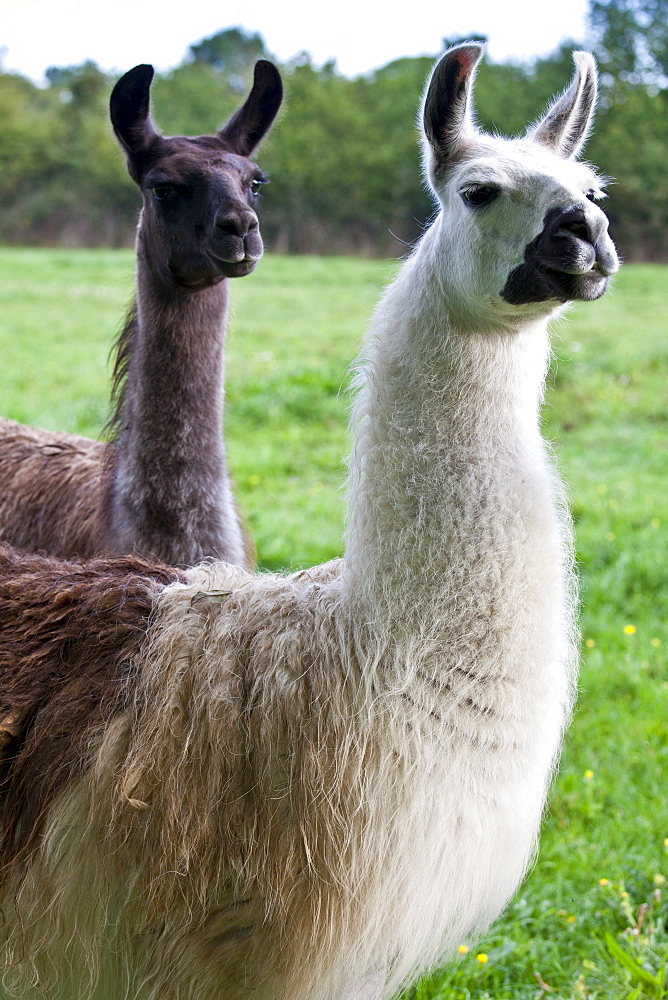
[(575, 221), (234, 223)]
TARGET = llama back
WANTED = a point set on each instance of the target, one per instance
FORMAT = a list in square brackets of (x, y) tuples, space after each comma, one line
[(52, 488)]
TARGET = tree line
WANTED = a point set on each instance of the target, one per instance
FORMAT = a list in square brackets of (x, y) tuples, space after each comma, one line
[(344, 158)]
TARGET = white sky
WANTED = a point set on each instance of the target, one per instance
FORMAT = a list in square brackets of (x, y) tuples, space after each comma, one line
[(361, 35)]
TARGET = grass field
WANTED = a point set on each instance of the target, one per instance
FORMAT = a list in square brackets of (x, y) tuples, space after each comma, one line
[(591, 920)]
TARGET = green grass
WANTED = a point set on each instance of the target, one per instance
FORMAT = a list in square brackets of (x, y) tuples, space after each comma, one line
[(295, 328)]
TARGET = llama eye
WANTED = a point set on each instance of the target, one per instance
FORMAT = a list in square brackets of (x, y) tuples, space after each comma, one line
[(594, 195), (478, 195), (162, 191), (257, 183)]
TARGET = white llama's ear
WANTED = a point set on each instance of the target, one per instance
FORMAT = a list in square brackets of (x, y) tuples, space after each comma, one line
[(446, 111), (566, 124)]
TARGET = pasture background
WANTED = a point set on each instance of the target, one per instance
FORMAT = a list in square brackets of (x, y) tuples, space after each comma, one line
[(295, 328)]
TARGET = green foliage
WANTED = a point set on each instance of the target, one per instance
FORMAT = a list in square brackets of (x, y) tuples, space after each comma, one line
[(344, 159), (630, 145), (231, 54), (191, 100), (601, 873), (62, 178), (631, 37)]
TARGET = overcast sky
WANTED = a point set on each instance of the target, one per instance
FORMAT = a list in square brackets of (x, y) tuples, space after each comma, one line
[(359, 35)]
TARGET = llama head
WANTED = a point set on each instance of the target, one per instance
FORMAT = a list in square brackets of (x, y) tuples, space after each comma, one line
[(520, 230), (199, 221)]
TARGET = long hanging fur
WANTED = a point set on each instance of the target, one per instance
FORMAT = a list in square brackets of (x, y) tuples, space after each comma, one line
[(313, 787)]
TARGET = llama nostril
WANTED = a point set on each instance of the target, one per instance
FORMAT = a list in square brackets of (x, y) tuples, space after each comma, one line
[(231, 226), (576, 221), (237, 225), (576, 228)]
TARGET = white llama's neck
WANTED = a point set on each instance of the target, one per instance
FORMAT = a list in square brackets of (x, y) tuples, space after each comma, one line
[(453, 518)]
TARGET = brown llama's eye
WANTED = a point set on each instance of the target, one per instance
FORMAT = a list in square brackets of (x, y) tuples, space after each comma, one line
[(478, 195), (257, 183), (162, 191)]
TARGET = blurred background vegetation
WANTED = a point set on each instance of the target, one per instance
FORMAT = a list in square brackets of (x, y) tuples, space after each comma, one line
[(344, 158)]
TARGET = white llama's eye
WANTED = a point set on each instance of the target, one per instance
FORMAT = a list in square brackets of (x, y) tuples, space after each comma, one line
[(162, 191), (478, 195), (595, 194)]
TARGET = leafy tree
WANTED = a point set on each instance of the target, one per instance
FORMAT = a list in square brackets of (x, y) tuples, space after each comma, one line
[(84, 86), (192, 100), (629, 143), (344, 159), (231, 54), (631, 38)]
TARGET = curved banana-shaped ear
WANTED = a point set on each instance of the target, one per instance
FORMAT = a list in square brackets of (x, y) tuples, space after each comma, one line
[(129, 108), (248, 126), (565, 126), (447, 118)]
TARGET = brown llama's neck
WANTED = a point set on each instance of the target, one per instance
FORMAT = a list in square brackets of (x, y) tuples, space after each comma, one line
[(168, 493)]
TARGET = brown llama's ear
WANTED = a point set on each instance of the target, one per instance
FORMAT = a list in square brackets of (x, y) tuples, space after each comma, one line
[(129, 108), (249, 125), (565, 126), (446, 112)]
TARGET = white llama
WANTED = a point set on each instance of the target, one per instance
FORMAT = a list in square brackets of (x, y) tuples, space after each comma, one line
[(314, 787)]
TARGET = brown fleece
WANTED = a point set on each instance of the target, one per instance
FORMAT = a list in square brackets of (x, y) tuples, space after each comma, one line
[(51, 490), (54, 695)]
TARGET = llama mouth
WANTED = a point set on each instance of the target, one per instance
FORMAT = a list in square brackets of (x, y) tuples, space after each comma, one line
[(539, 282), (238, 268)]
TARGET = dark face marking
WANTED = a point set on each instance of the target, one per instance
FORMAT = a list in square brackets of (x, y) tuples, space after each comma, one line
[(570, 259)]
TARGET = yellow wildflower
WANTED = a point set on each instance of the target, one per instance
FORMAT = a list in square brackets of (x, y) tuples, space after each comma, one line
[(603, 881), (463, 949), (659, 879), (482, 958), (590, 643), (571, 919), (254, 479), (589, 775), (629, 630)]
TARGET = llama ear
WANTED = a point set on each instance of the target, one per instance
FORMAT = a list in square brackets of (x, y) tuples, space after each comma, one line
[(249, 125), (129, 109), (565, 126), (446, 112)]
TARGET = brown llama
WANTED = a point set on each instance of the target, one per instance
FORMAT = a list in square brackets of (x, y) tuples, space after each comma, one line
[(228, 784), (161, 486)]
